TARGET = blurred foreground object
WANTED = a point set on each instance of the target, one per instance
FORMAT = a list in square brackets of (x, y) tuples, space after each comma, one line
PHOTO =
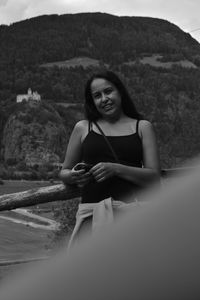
[(152, 252)]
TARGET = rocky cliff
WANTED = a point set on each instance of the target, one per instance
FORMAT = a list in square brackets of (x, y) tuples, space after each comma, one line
[(34, 134)]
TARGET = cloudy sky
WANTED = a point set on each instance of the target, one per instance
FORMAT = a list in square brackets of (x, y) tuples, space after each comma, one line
[(183, 13)]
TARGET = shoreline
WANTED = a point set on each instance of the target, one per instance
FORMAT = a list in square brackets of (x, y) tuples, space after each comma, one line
[(50, 224)]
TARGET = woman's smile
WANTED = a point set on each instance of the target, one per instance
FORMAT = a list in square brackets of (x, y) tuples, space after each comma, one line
[(107, 106)]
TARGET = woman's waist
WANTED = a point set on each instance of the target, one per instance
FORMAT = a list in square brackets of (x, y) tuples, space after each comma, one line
[(115, 187), (131, 163)]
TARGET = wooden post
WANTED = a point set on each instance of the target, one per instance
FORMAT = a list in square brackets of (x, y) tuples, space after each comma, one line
[(37, 196)]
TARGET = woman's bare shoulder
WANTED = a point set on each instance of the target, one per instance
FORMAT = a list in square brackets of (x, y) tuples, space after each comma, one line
[(145, 127), (81, 125), (81, 128), (145, 124)]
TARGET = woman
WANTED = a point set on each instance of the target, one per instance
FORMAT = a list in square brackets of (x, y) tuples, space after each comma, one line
[(124, 163)]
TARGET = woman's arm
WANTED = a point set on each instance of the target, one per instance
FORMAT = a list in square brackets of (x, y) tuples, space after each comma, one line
[(141, 176), (73, 156)]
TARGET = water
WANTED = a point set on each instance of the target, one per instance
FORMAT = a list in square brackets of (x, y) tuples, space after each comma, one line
[(19, 241)]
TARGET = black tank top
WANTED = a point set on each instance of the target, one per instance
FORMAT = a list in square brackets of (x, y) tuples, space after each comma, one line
[(95, 149)]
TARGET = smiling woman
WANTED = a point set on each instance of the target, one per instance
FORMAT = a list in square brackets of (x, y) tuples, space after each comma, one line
[(116, 142)]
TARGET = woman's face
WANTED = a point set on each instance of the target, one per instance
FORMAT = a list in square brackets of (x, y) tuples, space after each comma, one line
[(106, 98)]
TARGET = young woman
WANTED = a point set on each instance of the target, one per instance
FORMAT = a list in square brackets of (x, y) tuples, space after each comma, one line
[(121, 164)]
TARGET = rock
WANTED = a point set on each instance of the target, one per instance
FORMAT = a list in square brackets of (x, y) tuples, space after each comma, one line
[(34, 134)]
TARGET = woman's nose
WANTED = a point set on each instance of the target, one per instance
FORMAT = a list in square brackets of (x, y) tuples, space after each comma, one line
[(104, 97)]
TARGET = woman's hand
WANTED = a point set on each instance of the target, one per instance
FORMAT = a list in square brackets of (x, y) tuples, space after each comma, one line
[(103, 171), (80, 177)]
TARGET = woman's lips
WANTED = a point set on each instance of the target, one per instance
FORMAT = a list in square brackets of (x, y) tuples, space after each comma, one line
[(108, 107)]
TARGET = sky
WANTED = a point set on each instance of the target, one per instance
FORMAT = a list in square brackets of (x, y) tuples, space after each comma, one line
[(183, 13)]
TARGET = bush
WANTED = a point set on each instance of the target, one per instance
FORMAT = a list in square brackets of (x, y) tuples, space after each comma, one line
[(11, 161), (21, 166), (66, 216)]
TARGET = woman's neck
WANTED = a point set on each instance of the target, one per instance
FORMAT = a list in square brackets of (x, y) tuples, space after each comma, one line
[(113, 119)]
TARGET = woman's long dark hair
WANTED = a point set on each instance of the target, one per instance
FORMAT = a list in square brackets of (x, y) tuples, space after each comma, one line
[(128, 107)]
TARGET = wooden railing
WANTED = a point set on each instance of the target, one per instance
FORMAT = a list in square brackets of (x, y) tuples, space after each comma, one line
[(37, 196), (175, 171), (58, 192)]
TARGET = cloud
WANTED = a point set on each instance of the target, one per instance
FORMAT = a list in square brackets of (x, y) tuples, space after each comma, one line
[(184, 13), (12, 10), (3, 2)]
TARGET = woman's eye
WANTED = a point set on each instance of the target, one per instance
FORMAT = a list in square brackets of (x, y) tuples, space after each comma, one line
[(108, 91), (96, 96)]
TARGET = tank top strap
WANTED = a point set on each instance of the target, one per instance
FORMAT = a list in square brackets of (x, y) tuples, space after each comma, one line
[(89, 126), (137, 126)]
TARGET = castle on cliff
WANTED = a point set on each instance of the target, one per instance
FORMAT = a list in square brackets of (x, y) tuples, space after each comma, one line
[(30, 96)]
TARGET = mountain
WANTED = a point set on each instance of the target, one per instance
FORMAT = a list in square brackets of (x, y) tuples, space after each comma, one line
[(100, 36), (54, 55)]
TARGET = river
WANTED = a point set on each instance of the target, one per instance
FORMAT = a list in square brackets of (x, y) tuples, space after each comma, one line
[(25, 235)]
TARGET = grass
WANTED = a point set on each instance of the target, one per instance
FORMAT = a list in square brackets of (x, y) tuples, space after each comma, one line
[(154, 61), (85, 62)]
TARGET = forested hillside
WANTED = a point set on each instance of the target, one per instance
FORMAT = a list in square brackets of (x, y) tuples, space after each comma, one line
[(44, 53)]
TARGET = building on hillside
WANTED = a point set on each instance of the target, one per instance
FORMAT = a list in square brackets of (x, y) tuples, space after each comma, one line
[(30, 96)]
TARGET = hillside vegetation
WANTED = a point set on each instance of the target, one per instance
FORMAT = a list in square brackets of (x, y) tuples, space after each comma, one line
[(55, 55)]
